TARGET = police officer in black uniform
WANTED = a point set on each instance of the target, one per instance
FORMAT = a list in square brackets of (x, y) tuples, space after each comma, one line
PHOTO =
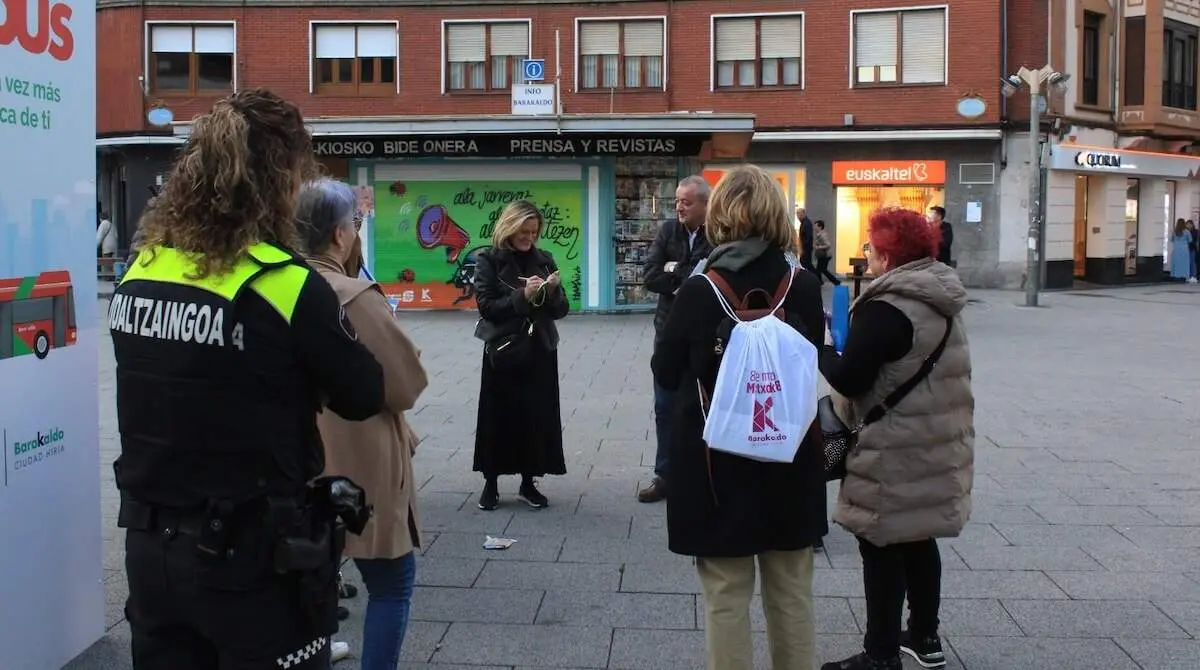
[(227, 345)]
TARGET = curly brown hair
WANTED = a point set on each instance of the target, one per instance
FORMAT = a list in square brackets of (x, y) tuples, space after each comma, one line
[(234, 183)]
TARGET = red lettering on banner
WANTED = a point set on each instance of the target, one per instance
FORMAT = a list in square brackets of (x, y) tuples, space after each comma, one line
[(51, 33)]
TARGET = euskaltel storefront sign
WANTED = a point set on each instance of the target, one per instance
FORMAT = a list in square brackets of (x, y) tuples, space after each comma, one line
[(509, 146)]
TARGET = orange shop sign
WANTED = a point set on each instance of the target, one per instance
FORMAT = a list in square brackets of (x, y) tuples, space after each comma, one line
[(878, 173)]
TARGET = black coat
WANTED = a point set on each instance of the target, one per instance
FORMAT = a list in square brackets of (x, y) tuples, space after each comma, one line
[(671, 245), (757, 506), (518, 426)]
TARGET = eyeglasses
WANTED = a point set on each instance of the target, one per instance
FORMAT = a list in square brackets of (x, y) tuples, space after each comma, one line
[(867, 248), (358, 221)]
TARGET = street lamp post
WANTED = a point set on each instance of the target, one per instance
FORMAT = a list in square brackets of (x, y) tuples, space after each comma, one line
[(1035, 80)]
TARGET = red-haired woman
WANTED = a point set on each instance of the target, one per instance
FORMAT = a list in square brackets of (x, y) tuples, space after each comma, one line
[(908, 479)]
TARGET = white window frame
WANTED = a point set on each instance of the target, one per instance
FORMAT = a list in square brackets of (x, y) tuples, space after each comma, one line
[(312, 46), (900, 10), (487, 22), (148, 44), (712, 47), (579, 21)]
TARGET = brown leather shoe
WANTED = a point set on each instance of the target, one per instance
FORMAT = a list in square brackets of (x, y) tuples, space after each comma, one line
[(656, 491)]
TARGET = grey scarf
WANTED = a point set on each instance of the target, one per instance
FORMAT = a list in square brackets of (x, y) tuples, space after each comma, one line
[(734, 256)]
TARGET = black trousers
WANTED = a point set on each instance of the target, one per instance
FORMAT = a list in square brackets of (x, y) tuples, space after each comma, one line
[(912, 569), (238, 614), (823, 270)]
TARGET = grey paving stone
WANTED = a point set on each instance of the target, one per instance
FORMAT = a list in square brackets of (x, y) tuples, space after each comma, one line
[(1044, 535), (1095, 515), (998, 584), (992, 514), (977, 534), (1092, 618), (449, 604), (1184, 613), (1163, 536), (584, 549), (1008, 653), (1026, 558), (1175, 515), (669, 575), (470, 545), (444, 571), (1127, 585), (962, 616), (549, 576), (1132, 558), (618, 610), (601, 527), (1163, 654), (1123, 496), (526, 646)]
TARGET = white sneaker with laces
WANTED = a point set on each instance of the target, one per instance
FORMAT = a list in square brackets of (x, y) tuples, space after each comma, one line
[(338, 651)]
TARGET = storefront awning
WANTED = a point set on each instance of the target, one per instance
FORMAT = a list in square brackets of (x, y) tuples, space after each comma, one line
[(1106, 160), (628, 124), (137, 140), (913, 134)]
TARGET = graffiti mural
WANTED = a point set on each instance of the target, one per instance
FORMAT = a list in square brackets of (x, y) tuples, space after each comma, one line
[(427, 235)]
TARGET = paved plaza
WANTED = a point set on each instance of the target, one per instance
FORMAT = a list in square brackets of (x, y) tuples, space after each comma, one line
[(1083, 551)]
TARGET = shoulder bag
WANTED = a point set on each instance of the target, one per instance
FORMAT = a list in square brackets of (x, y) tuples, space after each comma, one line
[(841, 440)]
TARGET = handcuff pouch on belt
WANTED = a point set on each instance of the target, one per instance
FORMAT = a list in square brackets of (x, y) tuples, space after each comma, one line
[(312, 534)]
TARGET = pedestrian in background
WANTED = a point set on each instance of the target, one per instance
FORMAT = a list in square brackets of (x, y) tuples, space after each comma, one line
[(730, 512), (1181, 253), (909, 477), (823, 250), (520, 295), (376, 453), (680, 245)]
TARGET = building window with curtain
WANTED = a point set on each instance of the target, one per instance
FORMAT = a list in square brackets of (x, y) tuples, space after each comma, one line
[(621, 54), (905, 47), (759, 51), (485, 56), (191, 59), (355, 59), (1089, 93), (1179, 65)]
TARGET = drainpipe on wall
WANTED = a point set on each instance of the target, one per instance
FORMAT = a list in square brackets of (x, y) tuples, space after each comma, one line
[(558, 106), (1003, 75), (1116, 61)]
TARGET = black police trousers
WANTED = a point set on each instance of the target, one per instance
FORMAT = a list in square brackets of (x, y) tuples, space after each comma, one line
[(186, 613)]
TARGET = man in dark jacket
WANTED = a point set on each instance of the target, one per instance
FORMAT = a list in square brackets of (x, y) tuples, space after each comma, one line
[(678, 248), (806, 239), (937, 217)]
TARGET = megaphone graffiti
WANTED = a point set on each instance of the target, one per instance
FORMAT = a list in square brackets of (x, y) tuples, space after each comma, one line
[(435, 229)]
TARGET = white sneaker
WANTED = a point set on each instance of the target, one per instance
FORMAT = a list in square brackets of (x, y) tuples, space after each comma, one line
[(1191, 280), (338, 651)]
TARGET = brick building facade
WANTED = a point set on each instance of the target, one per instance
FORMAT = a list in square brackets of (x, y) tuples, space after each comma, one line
[(852, 106)]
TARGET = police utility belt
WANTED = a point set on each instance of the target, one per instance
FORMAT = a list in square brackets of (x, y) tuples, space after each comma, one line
[(307, 534)]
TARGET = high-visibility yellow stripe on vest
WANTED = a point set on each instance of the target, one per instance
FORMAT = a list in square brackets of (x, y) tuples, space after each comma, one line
[(267, 270)]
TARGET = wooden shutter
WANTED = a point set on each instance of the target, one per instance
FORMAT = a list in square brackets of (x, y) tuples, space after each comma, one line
[(923, 51), (875, 39), (736, 39), (644, 38), (510, 39), (599, 38), (465, 43), (781, 36)]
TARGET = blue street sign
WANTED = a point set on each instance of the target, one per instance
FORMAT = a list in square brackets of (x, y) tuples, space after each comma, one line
[(535, 70)]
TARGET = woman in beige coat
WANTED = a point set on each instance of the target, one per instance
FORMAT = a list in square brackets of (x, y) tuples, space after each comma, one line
[(376, 453)]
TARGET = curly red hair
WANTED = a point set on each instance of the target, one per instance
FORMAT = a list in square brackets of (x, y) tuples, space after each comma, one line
[(903, 235)]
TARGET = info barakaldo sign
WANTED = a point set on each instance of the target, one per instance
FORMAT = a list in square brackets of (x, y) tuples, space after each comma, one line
[(509, 146), (884, 173)]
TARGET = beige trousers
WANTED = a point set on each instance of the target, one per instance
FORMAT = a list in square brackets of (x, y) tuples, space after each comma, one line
[(787, 600)]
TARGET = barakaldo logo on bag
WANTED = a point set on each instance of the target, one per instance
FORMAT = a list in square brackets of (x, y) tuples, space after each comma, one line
[(762, 426)]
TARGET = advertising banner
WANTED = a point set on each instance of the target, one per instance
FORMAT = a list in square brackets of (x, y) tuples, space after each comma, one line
[(426, 235), (51, 587)]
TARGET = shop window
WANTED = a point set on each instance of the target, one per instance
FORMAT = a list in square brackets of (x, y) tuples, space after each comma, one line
[(645, 201), (1133, 194), (1168, 220), (1090, 90), (484, 57), (191, 59), (355, 59), (1134, 83), (759, 52), (855, 205), (907, 47), (621, 54), (1179, 65)]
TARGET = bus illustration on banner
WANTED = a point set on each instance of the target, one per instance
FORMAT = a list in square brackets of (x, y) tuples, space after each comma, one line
[(37, 314)]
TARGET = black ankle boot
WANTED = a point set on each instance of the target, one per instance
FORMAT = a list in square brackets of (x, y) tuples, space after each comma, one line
[(490, 498), (531, 495)]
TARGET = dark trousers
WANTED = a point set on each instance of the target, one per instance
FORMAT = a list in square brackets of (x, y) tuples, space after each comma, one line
[(238, 614), (823, 270), (889, 574), (664, 400)]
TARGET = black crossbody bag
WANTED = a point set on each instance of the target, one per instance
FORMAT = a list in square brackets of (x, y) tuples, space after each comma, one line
[(840, 440)]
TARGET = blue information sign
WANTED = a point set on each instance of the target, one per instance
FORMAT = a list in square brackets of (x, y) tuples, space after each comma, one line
[(535, 70)]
